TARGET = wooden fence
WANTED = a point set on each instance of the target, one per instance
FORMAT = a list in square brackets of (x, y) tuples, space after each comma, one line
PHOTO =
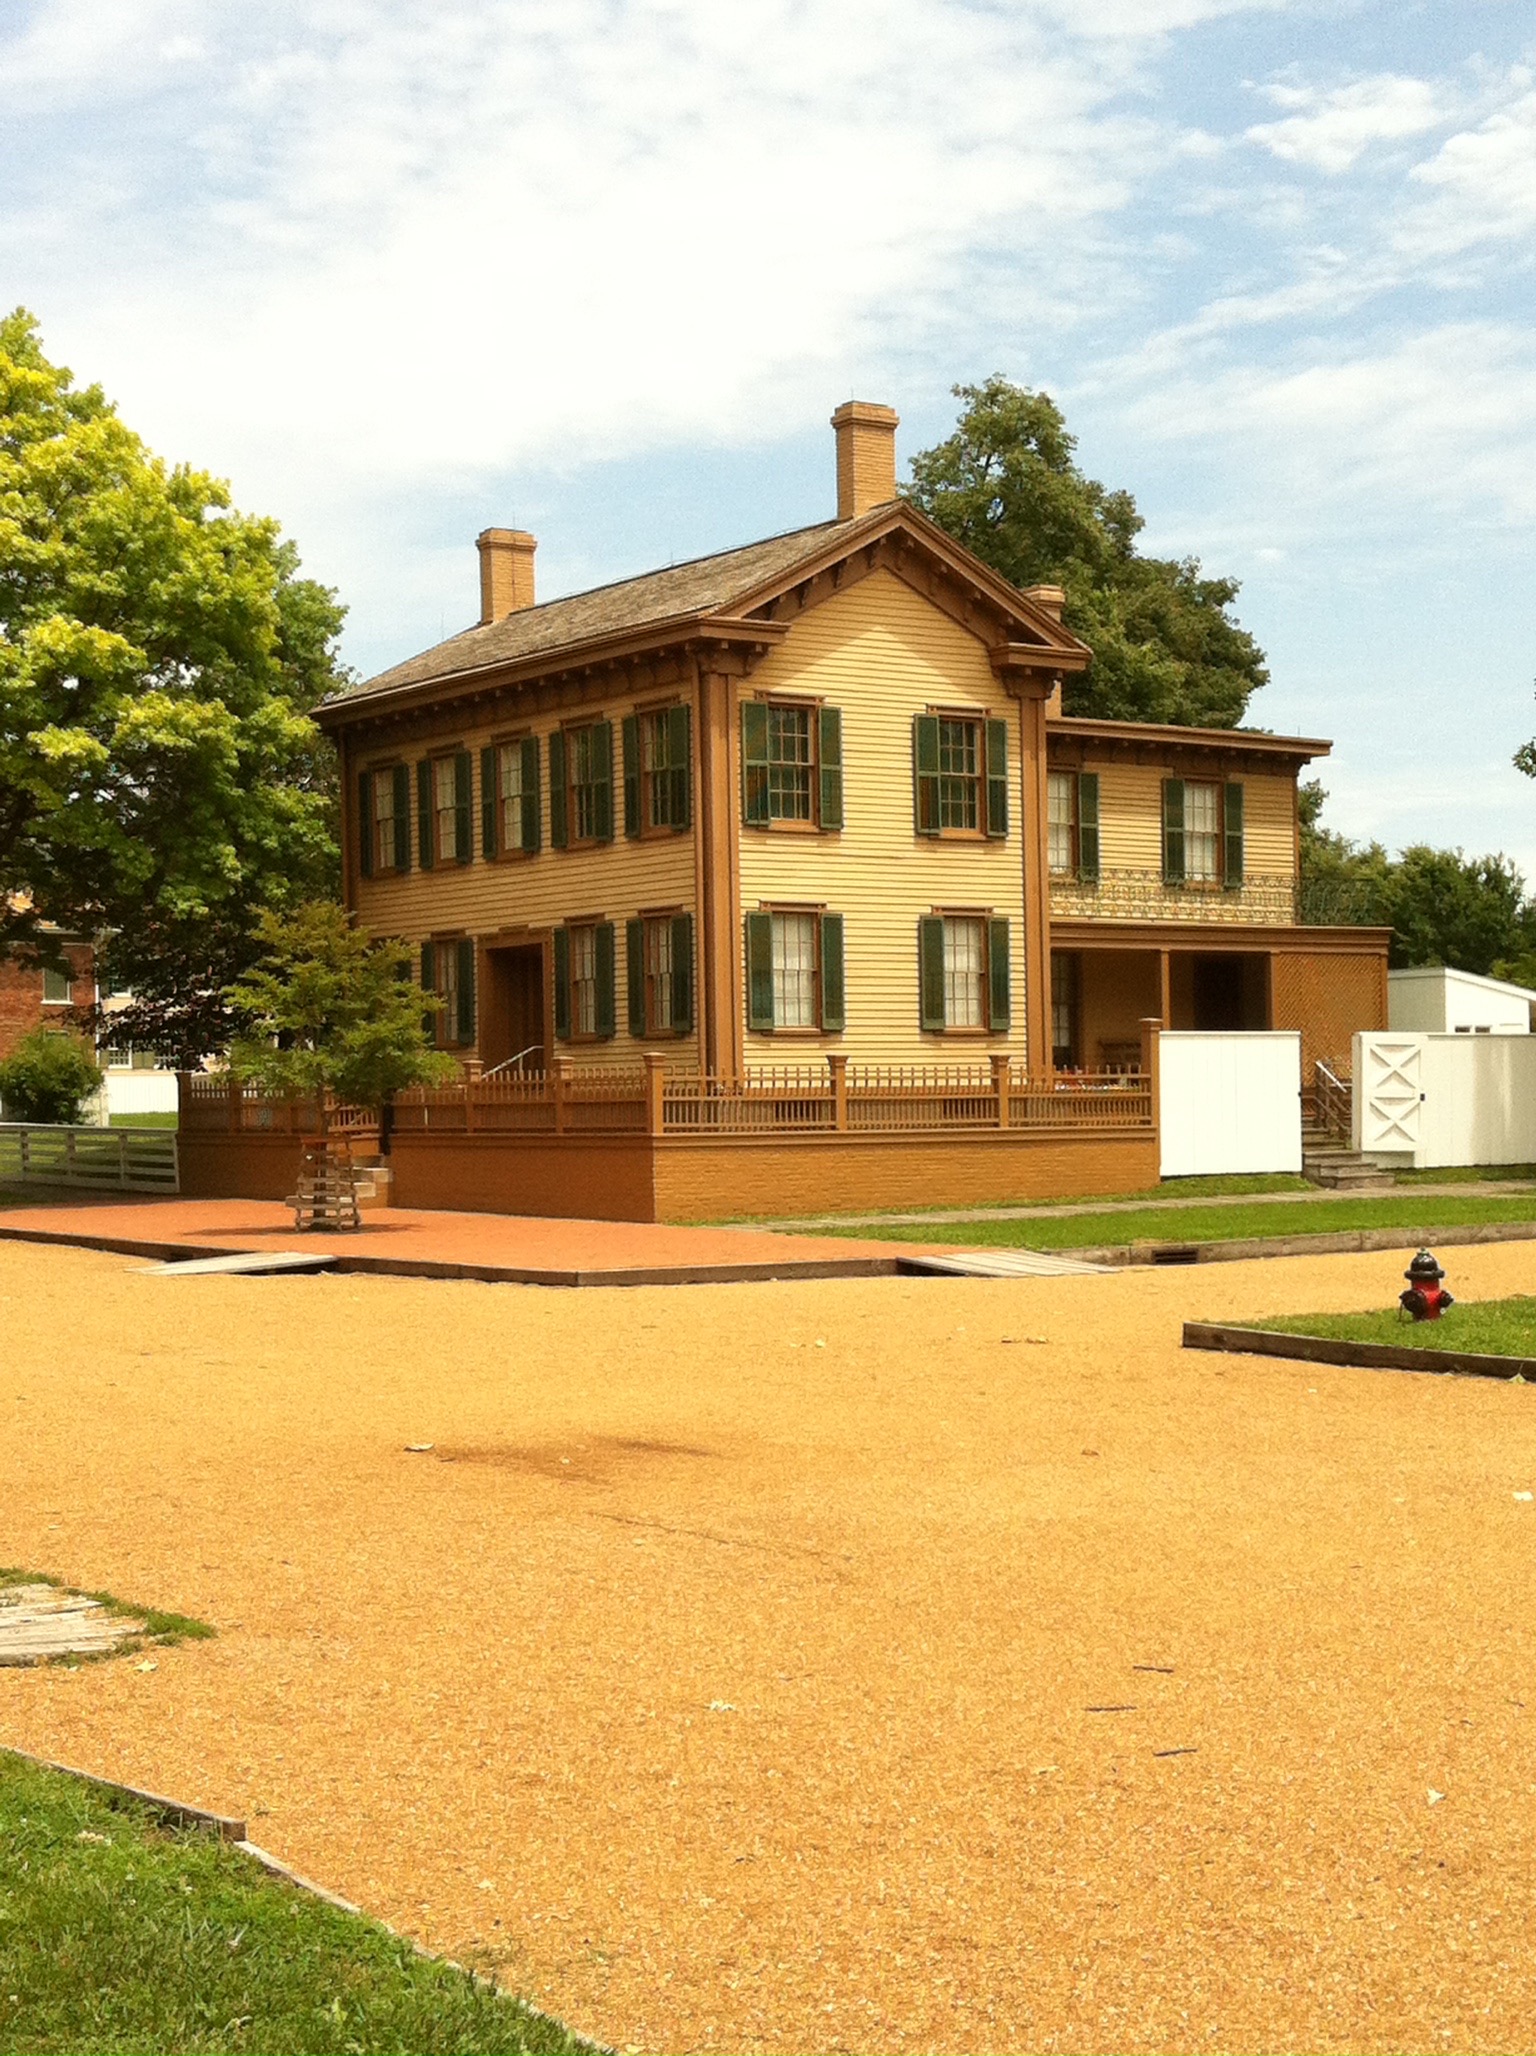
[(97, 1159), (834, 1097)]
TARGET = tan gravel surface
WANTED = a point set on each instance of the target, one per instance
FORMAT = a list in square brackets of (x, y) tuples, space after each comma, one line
[(724, 1673)]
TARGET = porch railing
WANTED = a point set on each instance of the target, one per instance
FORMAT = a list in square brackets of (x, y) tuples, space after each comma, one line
[(1333, 1101), (1126, 894), (833, 1097)]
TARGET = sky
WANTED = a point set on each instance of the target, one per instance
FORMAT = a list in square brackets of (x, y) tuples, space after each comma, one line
[(404, 269)]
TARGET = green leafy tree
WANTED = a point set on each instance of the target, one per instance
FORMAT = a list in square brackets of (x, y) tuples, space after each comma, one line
[(1165, 645), (1343, 882), (329, 1013), (160, 776), (49, 1077)]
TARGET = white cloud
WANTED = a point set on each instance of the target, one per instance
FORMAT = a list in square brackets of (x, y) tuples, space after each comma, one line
[(1481, 183), (1331, 131)]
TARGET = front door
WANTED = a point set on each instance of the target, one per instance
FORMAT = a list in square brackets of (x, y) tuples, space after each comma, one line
[(513, 1022)]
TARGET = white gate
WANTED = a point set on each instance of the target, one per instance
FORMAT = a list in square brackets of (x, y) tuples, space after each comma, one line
[(1389, 1092), (1229, 1102)]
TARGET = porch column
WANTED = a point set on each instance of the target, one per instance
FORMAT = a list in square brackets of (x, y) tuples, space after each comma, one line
[(1164, 988), (1035, 832)]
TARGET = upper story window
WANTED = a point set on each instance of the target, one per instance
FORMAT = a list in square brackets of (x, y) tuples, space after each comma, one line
[(56, 988), (443, 809), (509, 798), (384, 820), (960, 775), (656, 771), (1202, 833), (1073, 825), (581, 784), (791, 765)]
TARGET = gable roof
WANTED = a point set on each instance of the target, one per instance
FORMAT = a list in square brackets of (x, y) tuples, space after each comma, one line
[(723, 585)]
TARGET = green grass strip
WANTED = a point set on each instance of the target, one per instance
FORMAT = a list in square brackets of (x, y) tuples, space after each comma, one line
[(117, 1936), (1415, 1216), (1486, 1327)]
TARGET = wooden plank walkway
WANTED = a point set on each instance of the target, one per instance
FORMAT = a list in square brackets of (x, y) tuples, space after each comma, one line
[(40, 1622)]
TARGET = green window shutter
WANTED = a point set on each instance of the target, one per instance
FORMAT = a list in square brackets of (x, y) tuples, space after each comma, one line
[(634, 969), (402, 818), (429, 984), (490, 802), (831, 755), (631, 743), (558, 792), (759, 932), (832, 1009), (465, 1025), (562, 984), (463, 807), (997, 779), (999, 984), (426, 853), (365, 823), (602, 774), (680, 750), (930, 972), (604, 966), (531, 821), (1173, 831), (1088, 827), (925, 774), (1232, 823), (682, 971), (754, 764)]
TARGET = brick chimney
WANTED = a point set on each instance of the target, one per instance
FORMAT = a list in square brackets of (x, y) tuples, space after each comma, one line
[(506, 572), (866, 457)]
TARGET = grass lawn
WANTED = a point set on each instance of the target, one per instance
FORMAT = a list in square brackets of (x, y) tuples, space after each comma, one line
[(1208, 1224), (118, 1935), (1471, 1174), (1488, 1327), (142, 1120)]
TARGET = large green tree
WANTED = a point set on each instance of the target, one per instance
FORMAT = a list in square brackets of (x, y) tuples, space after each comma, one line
[(1165, 644), (160, 777)]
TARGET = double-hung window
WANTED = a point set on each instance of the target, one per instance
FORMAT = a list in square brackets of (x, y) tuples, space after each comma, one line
[(659, 950), (1072, 803), (509, 798), (795, 973), (584, 981), (444, 809), (960, 775), (656, 771), (384, 820), (963, 973), (581, 784), (1202, 833), (56, 988), (791, 765), (448, 969)]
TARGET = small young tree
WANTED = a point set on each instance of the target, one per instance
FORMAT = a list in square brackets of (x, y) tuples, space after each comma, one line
[(49, 1077), (329, 1012)]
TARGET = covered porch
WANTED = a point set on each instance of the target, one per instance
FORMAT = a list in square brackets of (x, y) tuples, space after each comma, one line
[(1107, 977)]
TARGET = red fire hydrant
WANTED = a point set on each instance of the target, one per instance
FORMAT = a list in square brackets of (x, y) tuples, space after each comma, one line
[(1426, 1298)]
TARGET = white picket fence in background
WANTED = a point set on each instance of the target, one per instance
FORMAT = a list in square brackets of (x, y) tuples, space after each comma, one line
[(1446, 1099), (1229, 1102)]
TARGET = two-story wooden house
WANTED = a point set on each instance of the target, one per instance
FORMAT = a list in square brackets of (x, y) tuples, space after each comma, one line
[(817, 795)]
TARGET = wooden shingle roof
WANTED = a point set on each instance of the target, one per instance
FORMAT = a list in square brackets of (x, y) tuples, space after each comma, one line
[(707, 585)]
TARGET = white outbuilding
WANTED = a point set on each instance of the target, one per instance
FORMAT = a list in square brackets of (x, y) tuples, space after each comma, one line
[(1430, 999)]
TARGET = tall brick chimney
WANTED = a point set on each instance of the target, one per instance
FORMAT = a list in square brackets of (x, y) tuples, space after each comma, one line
[(506, 572), (866, 457)]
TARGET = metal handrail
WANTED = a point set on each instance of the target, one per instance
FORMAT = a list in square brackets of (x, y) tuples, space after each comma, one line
[(507, 1062)]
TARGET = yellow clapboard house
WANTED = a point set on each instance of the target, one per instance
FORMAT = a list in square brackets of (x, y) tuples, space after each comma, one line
[(817, 796)]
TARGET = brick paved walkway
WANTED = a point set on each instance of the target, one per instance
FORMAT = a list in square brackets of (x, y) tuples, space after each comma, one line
[(514, 1249)]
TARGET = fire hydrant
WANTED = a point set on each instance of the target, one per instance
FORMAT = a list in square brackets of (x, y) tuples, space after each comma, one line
[(1426, 1298)]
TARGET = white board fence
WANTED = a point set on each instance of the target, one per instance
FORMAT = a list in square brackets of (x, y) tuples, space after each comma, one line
[(1229, 1102), (1446, 1099)]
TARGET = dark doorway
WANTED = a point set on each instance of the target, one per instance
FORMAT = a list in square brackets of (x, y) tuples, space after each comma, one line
[(1230, 992), (512, 1014)]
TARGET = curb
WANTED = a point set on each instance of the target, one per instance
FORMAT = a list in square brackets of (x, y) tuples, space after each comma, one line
[(1371, 1356), (1344, 1242)]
